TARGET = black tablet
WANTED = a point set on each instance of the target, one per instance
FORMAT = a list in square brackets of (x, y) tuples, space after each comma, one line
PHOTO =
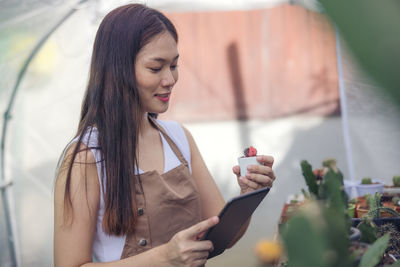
[(235, 213)]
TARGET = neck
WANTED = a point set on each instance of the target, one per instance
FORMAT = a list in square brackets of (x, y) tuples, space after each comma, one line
[(145, 125)]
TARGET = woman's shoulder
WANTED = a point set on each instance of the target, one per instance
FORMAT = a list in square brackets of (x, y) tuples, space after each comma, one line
[(177, 133), (171, 126), (89, 138)]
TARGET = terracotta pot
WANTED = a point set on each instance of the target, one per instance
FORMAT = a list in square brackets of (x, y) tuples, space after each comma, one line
[(362, 201), (360, 211)]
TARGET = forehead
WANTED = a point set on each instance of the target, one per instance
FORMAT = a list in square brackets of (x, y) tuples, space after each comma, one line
[(162, 45)]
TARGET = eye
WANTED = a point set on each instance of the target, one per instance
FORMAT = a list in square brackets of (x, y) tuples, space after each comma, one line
[(174, 67), (155, 69)]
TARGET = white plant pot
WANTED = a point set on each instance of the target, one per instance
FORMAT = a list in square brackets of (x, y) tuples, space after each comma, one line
[(364, 189), (244, 162), (391, 190)]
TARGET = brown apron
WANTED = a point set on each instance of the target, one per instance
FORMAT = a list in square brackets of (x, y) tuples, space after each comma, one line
[(167, 204)]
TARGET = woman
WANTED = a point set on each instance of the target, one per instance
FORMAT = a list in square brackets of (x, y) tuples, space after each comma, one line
[(132, 190)]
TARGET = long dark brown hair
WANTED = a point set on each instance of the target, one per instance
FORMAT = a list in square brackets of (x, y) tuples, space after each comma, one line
[(112, 105)]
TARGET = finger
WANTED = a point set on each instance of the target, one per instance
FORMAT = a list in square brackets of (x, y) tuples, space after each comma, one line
[(202, 226), (265, 160), (260, 179), (200, 255), (260, 169), (204, 246), (236, 170), (199, 236), (200, 263), (249, 183), (199, 247)]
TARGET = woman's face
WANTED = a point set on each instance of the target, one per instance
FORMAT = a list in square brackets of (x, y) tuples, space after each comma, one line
[(156, 72)]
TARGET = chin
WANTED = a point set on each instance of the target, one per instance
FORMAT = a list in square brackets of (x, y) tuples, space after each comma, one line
[(158, 110)]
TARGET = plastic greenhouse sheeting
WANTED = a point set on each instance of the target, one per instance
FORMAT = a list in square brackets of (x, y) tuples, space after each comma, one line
[(46, 110), (43, 115)]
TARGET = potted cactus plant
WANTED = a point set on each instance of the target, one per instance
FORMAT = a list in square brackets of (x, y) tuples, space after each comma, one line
[(369, 186), (396, 180), (395, 188), (321, 227), (377, 206)]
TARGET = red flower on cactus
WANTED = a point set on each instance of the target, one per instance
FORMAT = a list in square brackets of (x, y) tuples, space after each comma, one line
[(250, 152)]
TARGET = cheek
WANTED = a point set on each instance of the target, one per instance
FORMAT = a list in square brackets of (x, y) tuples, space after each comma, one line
[(176, 75), (146, 81)]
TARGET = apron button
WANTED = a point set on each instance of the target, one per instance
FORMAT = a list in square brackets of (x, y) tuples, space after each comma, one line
[(142, 242), (140, 211)]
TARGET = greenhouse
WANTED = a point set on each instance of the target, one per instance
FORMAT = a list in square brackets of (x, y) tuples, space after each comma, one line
[(311, 85)]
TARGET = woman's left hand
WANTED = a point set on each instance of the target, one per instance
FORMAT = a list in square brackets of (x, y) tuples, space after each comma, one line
[(257, 176)]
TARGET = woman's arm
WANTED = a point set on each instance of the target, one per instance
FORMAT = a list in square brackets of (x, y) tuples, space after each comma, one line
[(212, 201), (211, 198), (73, 239)]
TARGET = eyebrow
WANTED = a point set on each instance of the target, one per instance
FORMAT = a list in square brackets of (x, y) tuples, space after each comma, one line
[(160, 59)]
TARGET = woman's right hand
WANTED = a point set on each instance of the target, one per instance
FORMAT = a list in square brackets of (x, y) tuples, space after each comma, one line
[(185, 248)]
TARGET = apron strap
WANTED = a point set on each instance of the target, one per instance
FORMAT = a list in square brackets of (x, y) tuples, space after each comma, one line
[(171, 143)]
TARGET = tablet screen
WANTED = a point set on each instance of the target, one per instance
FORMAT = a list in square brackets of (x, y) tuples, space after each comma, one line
[(232, 217)]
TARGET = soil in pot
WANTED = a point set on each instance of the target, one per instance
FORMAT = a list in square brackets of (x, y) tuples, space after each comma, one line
[(394, 242)]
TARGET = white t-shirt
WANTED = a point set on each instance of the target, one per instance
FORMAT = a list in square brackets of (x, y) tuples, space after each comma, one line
[(109, 248)]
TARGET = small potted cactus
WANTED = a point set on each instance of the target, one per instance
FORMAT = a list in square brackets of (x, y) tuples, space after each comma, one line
[(395, 188), (249, 158), (396, 181), (369, 186)]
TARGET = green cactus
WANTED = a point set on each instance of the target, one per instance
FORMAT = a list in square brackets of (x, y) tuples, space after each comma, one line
[(374, 253), (367, 226), (386, 209), (366, 180), (329, 163), (374, 203), (396, 180), (317, 234), (310, 178), (353, 201), (336, 197), (396, 200)]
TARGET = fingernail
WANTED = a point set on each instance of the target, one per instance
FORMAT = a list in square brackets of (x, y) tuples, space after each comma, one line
[(215, 219)]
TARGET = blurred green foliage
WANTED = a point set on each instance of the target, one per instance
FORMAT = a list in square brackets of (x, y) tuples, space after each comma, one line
[(318, 234), (373, 255), (366, 180), (371, 29), (396, 180)]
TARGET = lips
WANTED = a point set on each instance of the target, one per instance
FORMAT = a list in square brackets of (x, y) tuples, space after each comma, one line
[(163, 97)]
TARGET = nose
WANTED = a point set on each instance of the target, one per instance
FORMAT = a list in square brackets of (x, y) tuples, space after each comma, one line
[(169, 79)]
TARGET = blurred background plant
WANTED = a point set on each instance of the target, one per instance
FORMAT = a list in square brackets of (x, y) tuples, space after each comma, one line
[(371, 29), (318, 233), (396, 180)]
